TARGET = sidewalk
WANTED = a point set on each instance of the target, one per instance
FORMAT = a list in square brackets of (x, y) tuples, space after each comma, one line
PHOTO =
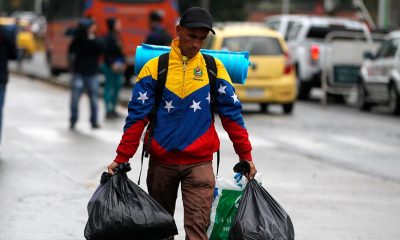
[(37, 69)]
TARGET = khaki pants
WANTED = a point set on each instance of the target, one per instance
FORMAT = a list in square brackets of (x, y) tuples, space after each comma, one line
[(197, 185)]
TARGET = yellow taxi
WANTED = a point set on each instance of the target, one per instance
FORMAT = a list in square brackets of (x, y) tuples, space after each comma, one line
[(25, 38), (271, 77)]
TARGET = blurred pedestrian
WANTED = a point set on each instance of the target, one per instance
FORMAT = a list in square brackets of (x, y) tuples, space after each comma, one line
[(184, 141), (84, 53), (158, 35), (113, 67), (8, 51)]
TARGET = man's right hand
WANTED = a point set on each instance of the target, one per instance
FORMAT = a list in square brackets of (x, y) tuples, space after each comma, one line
[(111, 167)]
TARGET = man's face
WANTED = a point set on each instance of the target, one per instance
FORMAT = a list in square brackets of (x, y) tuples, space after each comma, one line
[(118, 25), (191, 40), (93, 28)]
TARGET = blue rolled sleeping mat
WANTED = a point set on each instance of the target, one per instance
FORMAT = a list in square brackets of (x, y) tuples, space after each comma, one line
[(236, 63)]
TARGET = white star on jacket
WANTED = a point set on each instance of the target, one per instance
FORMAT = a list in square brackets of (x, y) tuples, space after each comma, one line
[(209, 98), (143, 97), (168, 105), (221, 89), (235, 98), (195, 106)]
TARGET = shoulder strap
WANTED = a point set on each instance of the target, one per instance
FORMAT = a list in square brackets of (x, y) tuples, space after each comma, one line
[(212, 77), (162, 72)]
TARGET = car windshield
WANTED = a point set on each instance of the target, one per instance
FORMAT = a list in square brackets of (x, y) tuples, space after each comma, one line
[(254, 44), (320, 32)]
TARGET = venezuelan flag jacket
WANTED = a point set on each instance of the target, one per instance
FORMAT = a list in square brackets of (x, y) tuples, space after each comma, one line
[(185, 132)]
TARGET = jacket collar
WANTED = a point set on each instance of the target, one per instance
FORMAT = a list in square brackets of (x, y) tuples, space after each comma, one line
[(176, 51)]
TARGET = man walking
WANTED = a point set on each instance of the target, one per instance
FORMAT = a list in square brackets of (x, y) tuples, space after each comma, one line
[(113, 67), (158, 35), (184, 140), (84, 52)]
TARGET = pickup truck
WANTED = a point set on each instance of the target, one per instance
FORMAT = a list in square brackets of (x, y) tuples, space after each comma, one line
[(305, 36)]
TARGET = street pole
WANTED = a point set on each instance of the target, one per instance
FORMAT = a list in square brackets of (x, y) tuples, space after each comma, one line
[(365, 13), (38, 6), (205, 4), (285, 6), (383, 13), (329, 5)]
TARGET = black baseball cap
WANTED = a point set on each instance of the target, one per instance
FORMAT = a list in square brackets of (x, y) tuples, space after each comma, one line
[(196, 17)]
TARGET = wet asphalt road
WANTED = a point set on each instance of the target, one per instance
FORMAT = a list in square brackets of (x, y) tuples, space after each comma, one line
[(334, 169)]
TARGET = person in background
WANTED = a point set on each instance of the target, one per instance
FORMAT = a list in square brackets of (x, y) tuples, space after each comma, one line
[(84, 53), (158, 35), (113, 67), (8, 51)]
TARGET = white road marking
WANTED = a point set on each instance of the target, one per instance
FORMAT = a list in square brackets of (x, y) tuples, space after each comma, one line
[(304, 142), (44, 134), (365, 144), (55, 135), (110, 136)]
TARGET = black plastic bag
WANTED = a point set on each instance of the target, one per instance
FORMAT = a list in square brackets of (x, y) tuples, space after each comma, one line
[(259, 216), (120, 210)]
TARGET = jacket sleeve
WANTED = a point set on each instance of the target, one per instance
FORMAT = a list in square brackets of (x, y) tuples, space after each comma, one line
[(139, 108), (229, 109), (72, 49), (8, 35)]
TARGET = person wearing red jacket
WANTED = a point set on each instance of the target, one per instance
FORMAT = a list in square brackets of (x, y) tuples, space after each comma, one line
[(185, 139)]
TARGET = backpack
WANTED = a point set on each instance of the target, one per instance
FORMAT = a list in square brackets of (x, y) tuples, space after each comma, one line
[(161, 80)]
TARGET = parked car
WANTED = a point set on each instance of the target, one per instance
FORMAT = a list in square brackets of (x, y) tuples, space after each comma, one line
[(283, 23), (271, 77), (380, 76), (305, 36)]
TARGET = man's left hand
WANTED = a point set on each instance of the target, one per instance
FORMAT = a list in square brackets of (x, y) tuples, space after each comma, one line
[(253, 170)]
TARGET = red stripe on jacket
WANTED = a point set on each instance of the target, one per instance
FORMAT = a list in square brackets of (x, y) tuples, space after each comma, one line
[(130, 141), (239, 137), (201, 150)]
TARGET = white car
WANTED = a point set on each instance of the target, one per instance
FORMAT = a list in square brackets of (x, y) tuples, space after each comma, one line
[(284, 23), (305, 36), (380, 76)]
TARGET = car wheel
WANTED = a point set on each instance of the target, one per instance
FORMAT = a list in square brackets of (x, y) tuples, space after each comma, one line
[(263, 107), (335, 98), (287, 108), (303, 90), (48, 57), (55, 72), (394, 100), (362, 103)]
